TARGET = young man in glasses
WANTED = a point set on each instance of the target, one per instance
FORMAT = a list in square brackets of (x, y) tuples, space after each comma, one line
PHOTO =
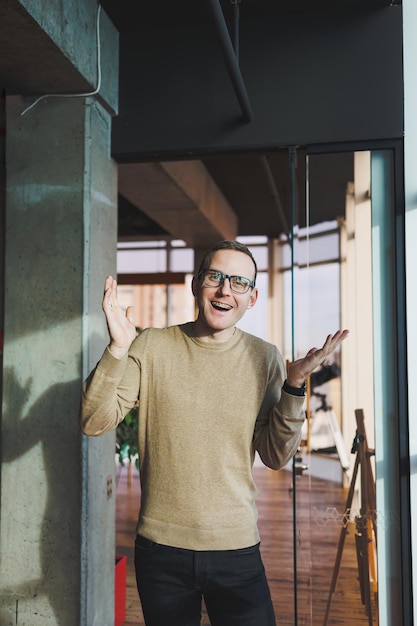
[(210, 395)]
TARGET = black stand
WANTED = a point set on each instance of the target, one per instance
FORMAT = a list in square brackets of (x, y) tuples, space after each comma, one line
[(365, 522)]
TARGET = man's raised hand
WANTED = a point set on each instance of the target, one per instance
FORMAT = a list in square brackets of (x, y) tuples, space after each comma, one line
[(299, 370), (120, 323)]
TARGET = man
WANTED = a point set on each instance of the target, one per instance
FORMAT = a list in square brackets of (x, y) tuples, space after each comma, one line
[(210, 395)]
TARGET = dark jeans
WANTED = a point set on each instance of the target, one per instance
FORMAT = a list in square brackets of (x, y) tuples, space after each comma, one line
[(172, 581)]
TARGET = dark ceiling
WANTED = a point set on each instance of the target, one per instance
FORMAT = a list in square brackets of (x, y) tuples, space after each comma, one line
[(128, 16), (255, 184)]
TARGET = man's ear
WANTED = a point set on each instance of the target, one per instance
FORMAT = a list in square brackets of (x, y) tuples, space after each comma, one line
[(194, 285), (253, 298)]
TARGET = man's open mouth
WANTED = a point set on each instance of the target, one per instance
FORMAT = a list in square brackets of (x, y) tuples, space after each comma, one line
[(221, 306)]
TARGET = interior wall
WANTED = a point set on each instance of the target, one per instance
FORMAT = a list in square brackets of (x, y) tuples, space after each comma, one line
[(410, 188), (356, 304)]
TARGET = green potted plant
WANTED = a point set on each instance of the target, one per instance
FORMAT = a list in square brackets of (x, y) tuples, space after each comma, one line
[(127, 438), (127, 435)]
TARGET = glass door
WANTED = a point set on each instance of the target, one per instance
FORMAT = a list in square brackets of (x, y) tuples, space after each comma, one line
[(345, 272)]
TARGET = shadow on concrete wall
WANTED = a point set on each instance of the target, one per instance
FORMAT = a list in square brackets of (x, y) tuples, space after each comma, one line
[(48, 504)]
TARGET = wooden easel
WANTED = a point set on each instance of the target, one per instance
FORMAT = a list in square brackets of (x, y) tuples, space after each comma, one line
[(365, 523)]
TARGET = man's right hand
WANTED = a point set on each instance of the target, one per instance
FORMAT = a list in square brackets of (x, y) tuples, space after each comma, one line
[(120, 324)]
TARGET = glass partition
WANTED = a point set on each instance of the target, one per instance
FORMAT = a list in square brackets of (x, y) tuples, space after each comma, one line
[(330, 521), (347, 542)]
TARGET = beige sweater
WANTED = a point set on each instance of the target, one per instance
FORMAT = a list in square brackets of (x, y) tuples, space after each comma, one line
[(204, 408)]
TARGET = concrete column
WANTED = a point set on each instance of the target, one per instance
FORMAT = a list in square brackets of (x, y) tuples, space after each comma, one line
[(57, 514)]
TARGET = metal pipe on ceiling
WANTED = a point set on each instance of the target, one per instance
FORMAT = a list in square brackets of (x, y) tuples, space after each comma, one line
[(230, 59), (275, 193), (236, 19)]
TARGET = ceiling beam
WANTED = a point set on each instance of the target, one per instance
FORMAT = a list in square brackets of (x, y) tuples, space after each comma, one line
[(182, 198), (152, 278)]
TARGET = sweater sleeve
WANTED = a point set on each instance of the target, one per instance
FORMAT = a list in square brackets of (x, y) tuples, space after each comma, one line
[(108, 394), (277, 433)]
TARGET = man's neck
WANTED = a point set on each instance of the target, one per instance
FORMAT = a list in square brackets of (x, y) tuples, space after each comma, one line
[(204, 333)]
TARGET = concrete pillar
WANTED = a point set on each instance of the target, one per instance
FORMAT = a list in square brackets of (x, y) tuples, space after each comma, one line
[(57, 514)]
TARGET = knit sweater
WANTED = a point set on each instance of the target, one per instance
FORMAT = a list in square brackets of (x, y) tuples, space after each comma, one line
[(204, 408)]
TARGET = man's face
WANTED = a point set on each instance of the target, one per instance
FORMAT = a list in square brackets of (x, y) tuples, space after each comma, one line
[(220, 308)]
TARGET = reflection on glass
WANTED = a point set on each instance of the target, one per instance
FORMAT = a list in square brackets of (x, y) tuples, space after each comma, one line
[(336, 512)]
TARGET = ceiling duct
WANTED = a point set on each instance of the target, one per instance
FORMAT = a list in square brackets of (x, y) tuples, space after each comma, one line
[(231, 59)]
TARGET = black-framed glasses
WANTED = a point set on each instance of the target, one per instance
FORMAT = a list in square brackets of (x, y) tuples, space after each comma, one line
[(215, 278)]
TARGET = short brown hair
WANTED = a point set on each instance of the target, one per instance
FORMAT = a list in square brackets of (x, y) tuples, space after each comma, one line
[(226, 244)]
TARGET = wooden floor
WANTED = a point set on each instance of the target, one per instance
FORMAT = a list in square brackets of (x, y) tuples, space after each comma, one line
[(320, 508)]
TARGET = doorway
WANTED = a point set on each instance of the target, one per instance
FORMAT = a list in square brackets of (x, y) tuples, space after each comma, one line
[(344, 269)]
